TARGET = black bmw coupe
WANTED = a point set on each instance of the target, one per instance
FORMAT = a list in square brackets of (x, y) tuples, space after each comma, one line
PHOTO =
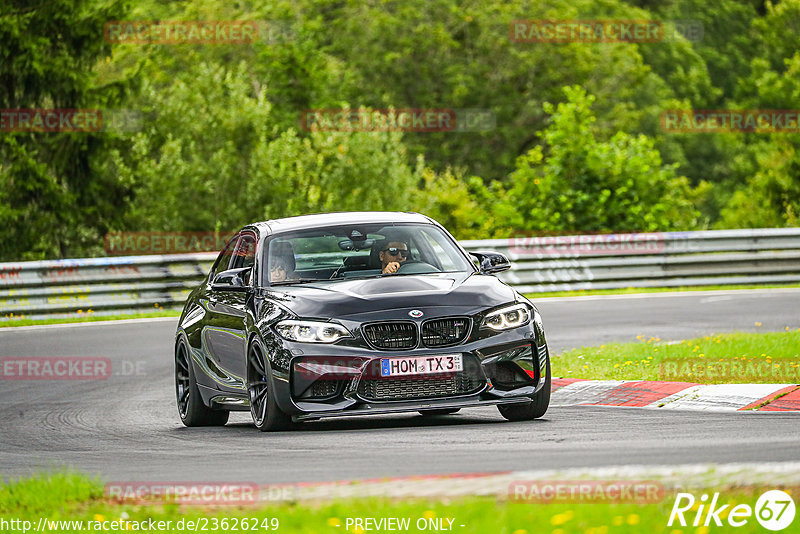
[(347, 314)]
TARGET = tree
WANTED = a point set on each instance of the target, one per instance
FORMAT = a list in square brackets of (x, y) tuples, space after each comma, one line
[(52, 202), (458, 54), (771, 197), (577, 183), (214, 158)]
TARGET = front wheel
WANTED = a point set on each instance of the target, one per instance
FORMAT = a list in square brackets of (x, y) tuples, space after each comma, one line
[(267, 416), (534, 409), (191, 407)]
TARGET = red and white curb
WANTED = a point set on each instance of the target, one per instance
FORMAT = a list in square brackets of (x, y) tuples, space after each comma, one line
[(500, 485), (675, 395)]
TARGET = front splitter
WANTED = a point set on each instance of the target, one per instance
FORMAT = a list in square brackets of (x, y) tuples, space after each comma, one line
[(409, 407)]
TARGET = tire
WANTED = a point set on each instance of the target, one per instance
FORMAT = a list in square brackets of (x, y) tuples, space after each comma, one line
[(534, 409), (267, 416), (440, 411), (191, 408)]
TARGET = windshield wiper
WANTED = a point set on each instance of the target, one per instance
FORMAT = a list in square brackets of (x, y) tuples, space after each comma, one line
[(296, 281), (383, 275), (387, 275), (365, 277)]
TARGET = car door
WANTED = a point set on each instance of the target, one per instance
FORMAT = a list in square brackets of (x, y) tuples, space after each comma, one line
[(225, 325)]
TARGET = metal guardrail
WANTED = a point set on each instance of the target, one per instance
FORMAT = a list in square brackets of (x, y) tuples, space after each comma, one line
[(98, 286), (669, 259), (102, 286)]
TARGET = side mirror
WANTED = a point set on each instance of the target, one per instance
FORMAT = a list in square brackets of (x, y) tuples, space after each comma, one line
[(231, 280), (491, 262)]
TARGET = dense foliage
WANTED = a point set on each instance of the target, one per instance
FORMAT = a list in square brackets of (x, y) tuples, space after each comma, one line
[(212, 137)]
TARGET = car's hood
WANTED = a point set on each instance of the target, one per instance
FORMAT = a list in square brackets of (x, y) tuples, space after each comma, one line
[(467, 291)]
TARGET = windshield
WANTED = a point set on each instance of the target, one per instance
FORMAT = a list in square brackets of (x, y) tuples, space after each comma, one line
[(362, 251)]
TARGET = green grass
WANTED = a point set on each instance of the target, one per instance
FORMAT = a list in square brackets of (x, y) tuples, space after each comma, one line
[(46, 493), (73, 497), (767, 358), (88, 318), (634, 290)]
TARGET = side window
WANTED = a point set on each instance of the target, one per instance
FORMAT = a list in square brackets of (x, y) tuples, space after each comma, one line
[(224, 258), (244, 255)]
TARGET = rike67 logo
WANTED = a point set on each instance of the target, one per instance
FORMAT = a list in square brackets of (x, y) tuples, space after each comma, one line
[(774, 510)]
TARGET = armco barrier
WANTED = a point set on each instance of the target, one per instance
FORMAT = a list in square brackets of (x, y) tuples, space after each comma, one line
[(669, 259), (104, 286), (99, 286)]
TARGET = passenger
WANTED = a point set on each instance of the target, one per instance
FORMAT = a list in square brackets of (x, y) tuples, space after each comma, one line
[(282, 262), (279, 270)]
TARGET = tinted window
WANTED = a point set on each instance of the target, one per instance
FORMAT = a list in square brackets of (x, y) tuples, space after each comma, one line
[(224, 258), (361, 251), (244, 254)]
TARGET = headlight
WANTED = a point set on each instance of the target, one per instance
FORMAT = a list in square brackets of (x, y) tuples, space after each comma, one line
[(311, 331), (510, 317)]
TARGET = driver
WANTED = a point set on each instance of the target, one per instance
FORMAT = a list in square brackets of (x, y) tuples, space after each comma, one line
[(392, 255)]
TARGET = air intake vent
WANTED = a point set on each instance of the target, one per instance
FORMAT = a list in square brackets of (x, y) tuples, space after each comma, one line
[(324, 388), (391, 336), (444, 332)]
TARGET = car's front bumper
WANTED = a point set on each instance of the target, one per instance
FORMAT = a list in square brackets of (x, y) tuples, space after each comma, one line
[(510, 367)]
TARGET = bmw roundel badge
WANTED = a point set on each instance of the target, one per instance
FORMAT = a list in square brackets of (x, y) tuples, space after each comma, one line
[(415, 313)]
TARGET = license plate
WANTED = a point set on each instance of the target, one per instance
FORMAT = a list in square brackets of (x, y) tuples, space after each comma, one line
[(422, 365)]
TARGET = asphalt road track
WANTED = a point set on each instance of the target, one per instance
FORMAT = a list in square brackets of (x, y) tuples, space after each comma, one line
[(127, 428)]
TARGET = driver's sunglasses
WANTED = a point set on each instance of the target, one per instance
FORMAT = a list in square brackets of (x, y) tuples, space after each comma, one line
[(395, 251)]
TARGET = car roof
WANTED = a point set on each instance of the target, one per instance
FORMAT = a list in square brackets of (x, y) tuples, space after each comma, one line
[(304, 222)]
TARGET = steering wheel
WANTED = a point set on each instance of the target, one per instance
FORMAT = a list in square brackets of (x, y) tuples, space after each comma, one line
[(416, 266)]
